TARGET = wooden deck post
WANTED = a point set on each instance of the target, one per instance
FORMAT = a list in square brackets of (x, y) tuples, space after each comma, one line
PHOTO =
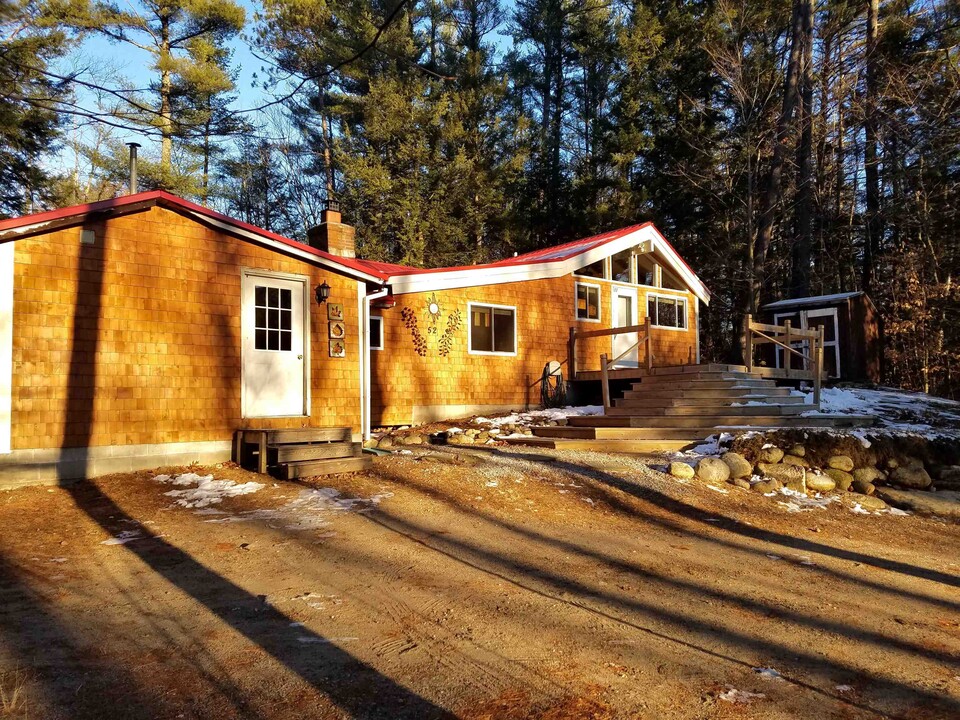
[(787, 355), (817, 366), (748, 342), (572, 354), (605, 382), (648, 343)]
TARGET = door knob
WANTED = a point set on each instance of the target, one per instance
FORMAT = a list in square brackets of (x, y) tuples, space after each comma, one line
[(299, 357)]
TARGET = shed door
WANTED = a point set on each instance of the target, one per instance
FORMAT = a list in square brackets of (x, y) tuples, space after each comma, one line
[(274, 370), (625, 315), (827, 319)]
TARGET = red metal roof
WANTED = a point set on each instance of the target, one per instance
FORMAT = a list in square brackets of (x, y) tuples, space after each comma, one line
[(162, 198)]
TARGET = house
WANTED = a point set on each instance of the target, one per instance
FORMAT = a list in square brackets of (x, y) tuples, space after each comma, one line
[(457, 341), (146, 330), (852, 332)]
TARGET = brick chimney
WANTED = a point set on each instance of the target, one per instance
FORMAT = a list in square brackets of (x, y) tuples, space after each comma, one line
[(331, 234)]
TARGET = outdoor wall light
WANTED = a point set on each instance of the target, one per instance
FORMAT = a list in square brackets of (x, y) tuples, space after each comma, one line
[(323, 293)]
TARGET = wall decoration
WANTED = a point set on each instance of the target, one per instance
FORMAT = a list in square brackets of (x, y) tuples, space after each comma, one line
[(433, 314), (334, 311), (337, 330), (338, 349), (410, 323), (454, 320)]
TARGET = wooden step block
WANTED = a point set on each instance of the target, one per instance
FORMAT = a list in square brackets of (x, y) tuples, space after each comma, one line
[(734, 403), (333, 466), (602, 445), (733, 393), (304, 435), (318, 451), (616, 433), (709, 422), (709, 410), (702, 385)]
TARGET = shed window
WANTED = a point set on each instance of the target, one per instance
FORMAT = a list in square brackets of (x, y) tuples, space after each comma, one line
[(588, 302), (594, 270), (670, 312), (493, 329), (376, 332)]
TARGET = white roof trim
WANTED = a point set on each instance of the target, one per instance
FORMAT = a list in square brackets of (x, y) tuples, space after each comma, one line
[(812, 300), (284, 248), (647, 237)]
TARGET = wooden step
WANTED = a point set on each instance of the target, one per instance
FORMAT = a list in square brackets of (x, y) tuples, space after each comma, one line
[(734, 393), (690, 377), (733, 402), (609, 446), (695, 384), (617, 433), (709, 410), (288, 436), (333, 466), (318, 451), (687, 369), (709, 422)]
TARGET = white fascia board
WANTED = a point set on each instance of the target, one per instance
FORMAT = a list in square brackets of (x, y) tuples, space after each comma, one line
[(474, 277), (287, 249), (6, 346), (666, 251)]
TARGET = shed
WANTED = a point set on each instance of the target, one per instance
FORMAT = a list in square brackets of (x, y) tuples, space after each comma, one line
[(852, 332)]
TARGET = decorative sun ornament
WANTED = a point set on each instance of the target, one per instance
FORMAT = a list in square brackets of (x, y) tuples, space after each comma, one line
[(433, 313)]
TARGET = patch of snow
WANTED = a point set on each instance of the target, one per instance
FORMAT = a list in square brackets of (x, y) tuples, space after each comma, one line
[(858, 509), (844, 688), (896, 511), (492, 483), (207, 491), (719, 490), (768, 673), (310, 510), (898, 412), (799, 502), (124, 537), (714, 445), (740, 697), (534, 417)]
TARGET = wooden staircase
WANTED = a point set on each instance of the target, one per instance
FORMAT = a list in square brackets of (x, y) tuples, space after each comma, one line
[(300, 452), (671, 408)]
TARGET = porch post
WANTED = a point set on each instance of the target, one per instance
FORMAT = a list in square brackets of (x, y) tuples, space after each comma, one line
[(572, 354), (748, 342), (605, 382)]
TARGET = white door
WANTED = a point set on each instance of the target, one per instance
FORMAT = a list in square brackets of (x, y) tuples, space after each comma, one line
[(624, 315), (827, 319), (272, 325)]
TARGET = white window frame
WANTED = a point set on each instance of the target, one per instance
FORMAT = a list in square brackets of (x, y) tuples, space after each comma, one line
[(470, 350), (576, 310), (678, 298), (379, 319), (606, 270)]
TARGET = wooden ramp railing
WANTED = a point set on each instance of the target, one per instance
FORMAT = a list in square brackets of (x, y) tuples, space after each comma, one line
[(783, 336), (644, 338)]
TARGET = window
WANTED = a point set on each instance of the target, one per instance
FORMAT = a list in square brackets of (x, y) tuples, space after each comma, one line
[(670, 312), (493, 329), (594, 270), (376, 332), (646, 271), (620, 266), (588, 302), (274, 316)]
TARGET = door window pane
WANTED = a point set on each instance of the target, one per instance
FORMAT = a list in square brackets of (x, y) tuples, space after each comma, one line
[(273, 318)]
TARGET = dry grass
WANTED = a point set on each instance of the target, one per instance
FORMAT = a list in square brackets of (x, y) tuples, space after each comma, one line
[(13, 684)]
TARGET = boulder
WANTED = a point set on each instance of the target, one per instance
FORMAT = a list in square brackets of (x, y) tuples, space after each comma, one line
[(370, 443), (864, 488), (797, 451), (790, 476), (740, 483), (465, 440), (385, 443), (766, 486), (713, 470), (868, 474), (843, 480), (867, 502), (413, 439), (945, 503), (738, 464), (911, 475), (681, 470), (795, 460), (820, 483), (771, 455), (892, 463), (948, 478), (482, 437), (841, 462)]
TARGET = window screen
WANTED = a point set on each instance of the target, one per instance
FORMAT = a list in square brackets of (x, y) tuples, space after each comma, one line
[(492, 329), (667, 312), (588, 302), (274, 318)]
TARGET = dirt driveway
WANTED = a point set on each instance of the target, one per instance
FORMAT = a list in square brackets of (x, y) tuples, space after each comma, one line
[(500, 584)]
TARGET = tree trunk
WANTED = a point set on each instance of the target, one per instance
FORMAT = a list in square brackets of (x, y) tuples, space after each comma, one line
[(871, 243), (803, 242), (771, 194), (166, 90)]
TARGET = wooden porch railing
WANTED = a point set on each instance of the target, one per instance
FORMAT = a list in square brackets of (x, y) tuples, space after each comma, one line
[(782, 336), (644, 338)]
